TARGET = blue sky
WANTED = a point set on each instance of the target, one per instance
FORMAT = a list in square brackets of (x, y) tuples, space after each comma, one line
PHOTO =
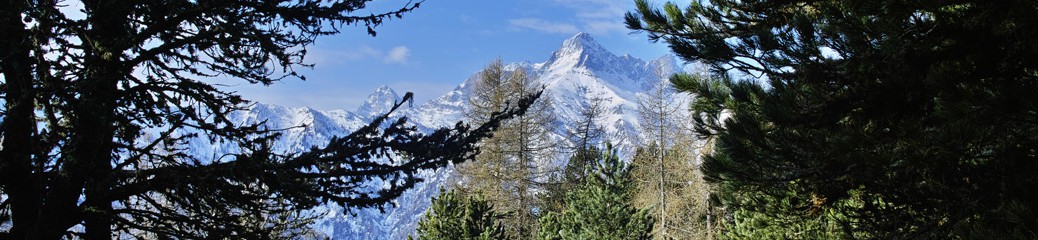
[(436, 47)]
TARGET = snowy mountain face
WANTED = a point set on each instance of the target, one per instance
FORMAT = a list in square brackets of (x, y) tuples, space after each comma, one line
[(378, 103), (577, 72)]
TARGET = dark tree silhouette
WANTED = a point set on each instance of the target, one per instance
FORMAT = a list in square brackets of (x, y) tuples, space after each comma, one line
[(897, 119), (84, 96)]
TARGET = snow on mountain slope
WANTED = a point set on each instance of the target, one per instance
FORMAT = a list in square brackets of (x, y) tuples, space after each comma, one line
[(377, 103), (581, 69)]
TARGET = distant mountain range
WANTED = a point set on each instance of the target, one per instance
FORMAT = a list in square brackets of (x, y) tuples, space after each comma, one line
[(578, 71)]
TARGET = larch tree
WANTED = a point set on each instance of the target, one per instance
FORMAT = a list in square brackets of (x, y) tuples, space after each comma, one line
[(884, 119), (662, 169), (80, 93), (508, 169), (585, 132), (687, 193), (584, 139), (485, 175)]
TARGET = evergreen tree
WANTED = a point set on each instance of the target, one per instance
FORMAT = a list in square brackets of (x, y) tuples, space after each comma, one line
[(452, 216), (600, 209), (507, 169), (912, 119), (747, 223), (80, 92), (572, 177)]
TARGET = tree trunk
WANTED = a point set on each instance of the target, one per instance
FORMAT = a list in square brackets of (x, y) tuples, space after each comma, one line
[(95, 113), (521, 181), (663, 192), (16, 165), (663, 170)]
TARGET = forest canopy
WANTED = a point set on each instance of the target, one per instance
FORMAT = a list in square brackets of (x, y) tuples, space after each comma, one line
[(863, 119)]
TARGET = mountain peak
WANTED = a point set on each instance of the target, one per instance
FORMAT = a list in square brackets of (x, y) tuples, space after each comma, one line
[(384, 89), (582, 36), (378, 102), (579, 51), (581, 41)]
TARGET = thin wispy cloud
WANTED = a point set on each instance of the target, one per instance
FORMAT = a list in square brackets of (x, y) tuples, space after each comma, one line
[(604, 27), (464, 18), (542, 25), (323, 56), (326, 57), (397, 55), (599, 17)]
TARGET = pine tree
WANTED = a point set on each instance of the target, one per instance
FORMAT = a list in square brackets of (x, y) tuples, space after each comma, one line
[(601, 208), (572, 177), (453, 216), (911, 119), (507, 168), (751, 224)]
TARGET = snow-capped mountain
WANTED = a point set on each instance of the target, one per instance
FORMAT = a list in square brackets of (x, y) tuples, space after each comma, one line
[(581, 69), (377, 103)]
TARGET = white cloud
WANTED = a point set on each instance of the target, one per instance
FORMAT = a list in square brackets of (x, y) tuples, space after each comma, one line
[(543, 25), (397, 55)]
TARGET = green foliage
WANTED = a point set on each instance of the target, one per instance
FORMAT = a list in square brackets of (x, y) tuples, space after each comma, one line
[(912, 119), (816, 223), (457, 217), (599, 209), (756, 225), (572, 177), (576, 170)]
